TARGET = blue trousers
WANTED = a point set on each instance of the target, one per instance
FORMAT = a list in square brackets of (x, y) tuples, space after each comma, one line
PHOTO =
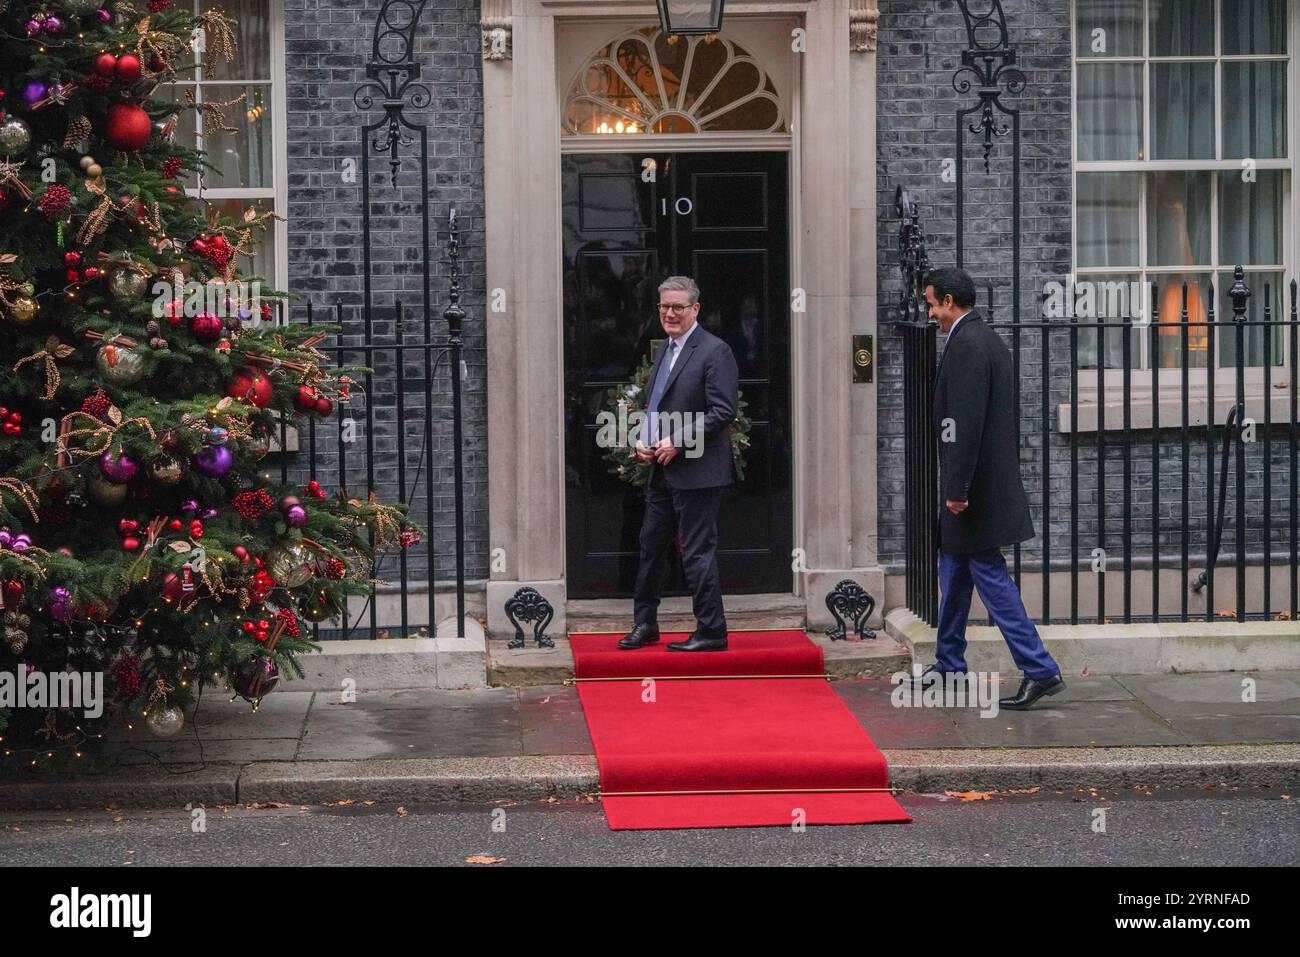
[(987, 571)]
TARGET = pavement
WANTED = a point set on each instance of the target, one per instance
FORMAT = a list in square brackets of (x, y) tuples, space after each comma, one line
[(531, 742)]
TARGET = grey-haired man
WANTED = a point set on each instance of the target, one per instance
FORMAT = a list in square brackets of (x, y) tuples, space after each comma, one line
[(693, 389)]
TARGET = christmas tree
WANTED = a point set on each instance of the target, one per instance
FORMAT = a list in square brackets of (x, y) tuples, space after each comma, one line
[(143, 381)]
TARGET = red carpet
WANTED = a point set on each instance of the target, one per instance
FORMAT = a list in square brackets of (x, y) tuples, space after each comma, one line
[(789, 736)]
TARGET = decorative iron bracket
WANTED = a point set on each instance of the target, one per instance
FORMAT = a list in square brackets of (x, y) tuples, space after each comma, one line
[(912, 259), (527, 604), (989, 63), (850, 599), (394, 71)]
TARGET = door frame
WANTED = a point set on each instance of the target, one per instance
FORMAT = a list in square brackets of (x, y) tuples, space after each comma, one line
[(831, 104)]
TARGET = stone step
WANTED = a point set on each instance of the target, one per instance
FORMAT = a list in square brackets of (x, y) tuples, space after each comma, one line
[(773, 611), (531, 665)]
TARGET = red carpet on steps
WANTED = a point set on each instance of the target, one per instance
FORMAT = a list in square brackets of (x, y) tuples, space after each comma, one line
[(705, 732)]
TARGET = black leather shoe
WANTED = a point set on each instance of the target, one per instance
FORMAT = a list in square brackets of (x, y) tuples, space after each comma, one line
[(698, 642), (639, 637), (931, 674), (1031, 689)]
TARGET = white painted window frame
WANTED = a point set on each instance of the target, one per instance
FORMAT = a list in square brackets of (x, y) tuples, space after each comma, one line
[(1225, 380), (278, 192)]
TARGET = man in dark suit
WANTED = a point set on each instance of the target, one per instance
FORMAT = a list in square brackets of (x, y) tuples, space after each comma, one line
[(693, 391), (984, 505)]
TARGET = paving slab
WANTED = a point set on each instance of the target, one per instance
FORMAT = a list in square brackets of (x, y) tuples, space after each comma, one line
[(552, 721), (1172, 696), (1067, 724), (1245, 728), (416, 722), (281, 715)]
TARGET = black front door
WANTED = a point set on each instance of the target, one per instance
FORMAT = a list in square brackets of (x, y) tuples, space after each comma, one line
[(630, 221)]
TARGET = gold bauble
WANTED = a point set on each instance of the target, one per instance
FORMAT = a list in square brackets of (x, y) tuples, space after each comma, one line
[(166, 470), (105, 493), (94, 171), (290, 564), (24, 309), (120, 365)]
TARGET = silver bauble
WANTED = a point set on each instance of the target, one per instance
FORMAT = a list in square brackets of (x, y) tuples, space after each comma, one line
[(15, 136), (120, 365), (166, 470), (290, 564), (127, 284), (165, 721)]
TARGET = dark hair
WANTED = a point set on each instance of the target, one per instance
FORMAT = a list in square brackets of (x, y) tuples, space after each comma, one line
[(950, 281)]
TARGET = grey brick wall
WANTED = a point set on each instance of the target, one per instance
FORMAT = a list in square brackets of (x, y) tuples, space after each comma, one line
[(328, 43), (919, 50)]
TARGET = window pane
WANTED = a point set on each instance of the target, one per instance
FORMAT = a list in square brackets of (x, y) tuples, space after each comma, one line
[(1178, 219), (1254, 27), (252, 29), (1254, 109), (1110, 111), (1107, 232), (1172, 304), (1182, 111), (1253, 336), (1119, 23), (1250, 218), (1182, 27), (242, 158), (1107, 299)]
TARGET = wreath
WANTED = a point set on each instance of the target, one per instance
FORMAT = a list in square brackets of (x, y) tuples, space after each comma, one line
[(622, 400)]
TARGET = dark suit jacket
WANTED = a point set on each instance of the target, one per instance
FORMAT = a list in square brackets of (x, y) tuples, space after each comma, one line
[(703, 380), (981, 463)]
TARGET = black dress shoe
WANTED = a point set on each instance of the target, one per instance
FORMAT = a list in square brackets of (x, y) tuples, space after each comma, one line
[(1031, 689), (640, 636), (931, 674), (698, 642)]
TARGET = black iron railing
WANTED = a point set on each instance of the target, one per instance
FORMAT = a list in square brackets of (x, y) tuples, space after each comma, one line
[(1156, 493)]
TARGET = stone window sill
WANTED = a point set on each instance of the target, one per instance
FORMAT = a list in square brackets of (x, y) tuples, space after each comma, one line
[(1171, 409)]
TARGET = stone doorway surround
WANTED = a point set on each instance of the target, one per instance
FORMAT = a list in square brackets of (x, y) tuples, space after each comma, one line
[(833, 259)]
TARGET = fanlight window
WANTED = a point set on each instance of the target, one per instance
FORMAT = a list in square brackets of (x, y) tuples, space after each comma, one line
[(645, 82)]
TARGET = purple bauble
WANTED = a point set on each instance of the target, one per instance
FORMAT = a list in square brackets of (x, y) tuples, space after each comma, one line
[(53, 24), (214, 461), (34, 92), (189, 505), (103, 15), (60, 604), (117, 467), (33, 27), (296, 516), (6, 537), (22, 543)]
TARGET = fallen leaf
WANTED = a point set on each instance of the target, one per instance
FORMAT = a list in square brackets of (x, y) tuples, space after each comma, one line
[(1286, 797), (264, 805), (367, 803), (970, 795), (1084, 673), (483, 859), (401, 811)]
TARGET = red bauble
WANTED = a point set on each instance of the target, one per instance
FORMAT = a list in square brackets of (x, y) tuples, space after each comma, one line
[(324, 406), (72, 259), (92, 273), (127, 127), (174, 591), (157, 64), (251, 385), (206, 327), (13, 591), (131, 544), (128, 68), (305, 398), (105, 64), (175, 524)]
